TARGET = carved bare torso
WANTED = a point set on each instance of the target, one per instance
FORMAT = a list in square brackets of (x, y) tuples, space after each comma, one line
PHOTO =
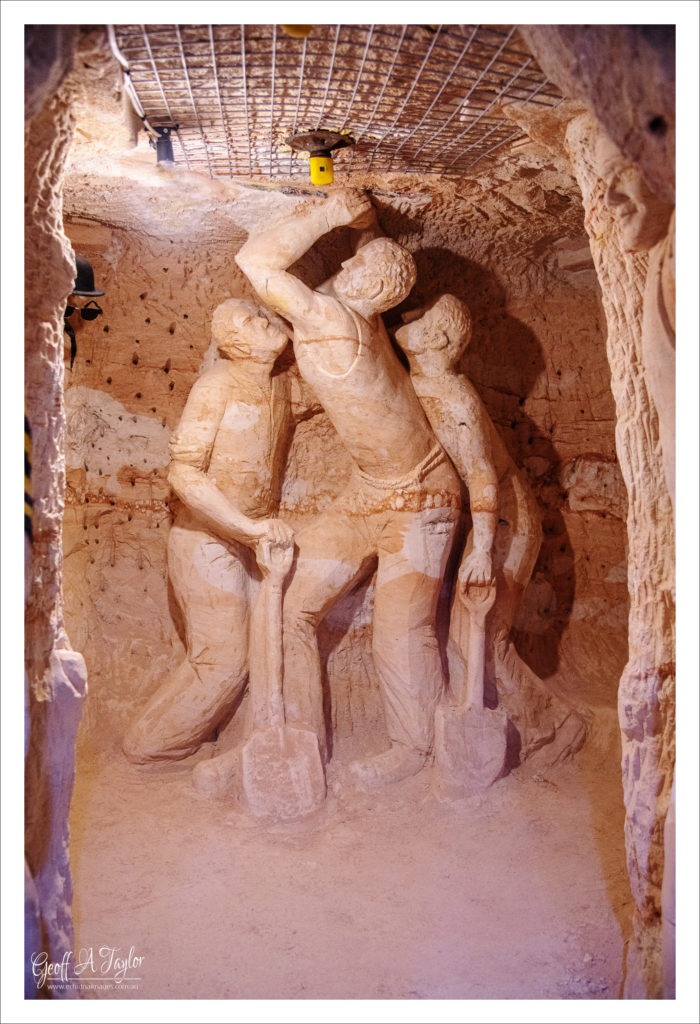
[(367, 395), (235, 427)]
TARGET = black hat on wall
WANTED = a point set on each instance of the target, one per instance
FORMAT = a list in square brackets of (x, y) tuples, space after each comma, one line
[(85, 280)]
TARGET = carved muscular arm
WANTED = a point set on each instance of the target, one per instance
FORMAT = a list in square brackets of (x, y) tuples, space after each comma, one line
[(474, 460), (265, 257), (190, 449)]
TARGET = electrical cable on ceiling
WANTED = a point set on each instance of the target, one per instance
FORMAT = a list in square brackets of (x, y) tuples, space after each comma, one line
[(128, 85)]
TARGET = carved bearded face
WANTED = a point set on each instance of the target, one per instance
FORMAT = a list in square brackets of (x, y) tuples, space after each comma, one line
[(642, 217)]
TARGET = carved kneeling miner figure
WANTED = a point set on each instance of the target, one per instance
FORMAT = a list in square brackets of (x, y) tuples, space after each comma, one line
[(227, 453)]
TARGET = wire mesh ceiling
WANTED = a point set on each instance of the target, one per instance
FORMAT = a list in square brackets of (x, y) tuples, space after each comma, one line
[(415, 98)]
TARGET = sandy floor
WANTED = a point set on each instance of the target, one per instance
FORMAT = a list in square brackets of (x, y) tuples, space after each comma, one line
[(518, 894)]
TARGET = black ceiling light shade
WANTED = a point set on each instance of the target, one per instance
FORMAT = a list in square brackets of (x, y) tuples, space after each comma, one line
[(84, 284)]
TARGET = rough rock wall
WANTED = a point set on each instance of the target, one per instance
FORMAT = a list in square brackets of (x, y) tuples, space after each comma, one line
[(646, 699), (55, 673), (511, 244), (626, 76)]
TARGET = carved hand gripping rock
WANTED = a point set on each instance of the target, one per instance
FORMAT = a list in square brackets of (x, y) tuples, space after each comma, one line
[(470, 740)]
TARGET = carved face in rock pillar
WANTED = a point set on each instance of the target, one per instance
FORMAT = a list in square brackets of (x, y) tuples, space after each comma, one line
[(641, 215), (440, 335), (242, 330), (378, 276)]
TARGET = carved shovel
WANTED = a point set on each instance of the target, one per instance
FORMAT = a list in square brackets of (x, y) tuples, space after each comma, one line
[(282, 770), (470, 740)]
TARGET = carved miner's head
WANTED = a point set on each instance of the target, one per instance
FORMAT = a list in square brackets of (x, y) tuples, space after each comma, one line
[(381, 273), (445, 327), (242, 329)]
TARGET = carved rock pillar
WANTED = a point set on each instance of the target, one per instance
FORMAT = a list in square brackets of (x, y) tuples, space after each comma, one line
[(55, 673), (646, 698)]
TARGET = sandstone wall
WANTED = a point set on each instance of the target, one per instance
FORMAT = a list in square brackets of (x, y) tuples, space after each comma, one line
[(626, 76), (55, 672)]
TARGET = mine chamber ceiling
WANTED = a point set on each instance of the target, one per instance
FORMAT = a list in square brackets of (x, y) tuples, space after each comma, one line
[(416, 99)]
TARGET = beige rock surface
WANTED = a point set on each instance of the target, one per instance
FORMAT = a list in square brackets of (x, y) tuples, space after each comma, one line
[(626, 76), (551, 406)]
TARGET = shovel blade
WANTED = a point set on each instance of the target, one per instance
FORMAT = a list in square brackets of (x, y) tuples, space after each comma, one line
[(283, 774), (470, 749)]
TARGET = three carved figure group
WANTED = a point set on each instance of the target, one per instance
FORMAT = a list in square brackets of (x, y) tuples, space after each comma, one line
[(253, 593)]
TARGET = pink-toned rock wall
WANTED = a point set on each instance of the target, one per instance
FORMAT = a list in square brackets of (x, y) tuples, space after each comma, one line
[(625, 77), (55, 671)]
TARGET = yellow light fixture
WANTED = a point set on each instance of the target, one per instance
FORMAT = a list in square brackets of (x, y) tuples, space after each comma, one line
[(297, 31), (319, 145)]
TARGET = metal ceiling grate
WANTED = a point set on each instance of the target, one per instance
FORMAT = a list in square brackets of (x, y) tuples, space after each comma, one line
[(416, 98)]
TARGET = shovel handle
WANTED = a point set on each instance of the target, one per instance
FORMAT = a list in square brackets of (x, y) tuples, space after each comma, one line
[(478, 599), (275, 560)]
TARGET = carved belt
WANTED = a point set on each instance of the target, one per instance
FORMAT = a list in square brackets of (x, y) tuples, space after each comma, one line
[(436, 457)]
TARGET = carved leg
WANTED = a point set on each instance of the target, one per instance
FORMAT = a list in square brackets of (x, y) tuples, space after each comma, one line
[(413, 553), (334, 555), (213, 587)]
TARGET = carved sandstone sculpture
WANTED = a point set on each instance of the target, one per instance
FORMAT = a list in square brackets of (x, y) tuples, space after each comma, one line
[(506, 532), (647, 224), (227, 455), (399, 510)]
